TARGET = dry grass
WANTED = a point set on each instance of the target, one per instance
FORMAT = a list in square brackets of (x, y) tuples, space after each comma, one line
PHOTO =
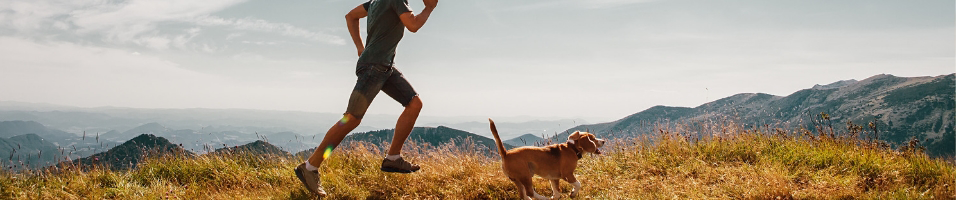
[(734, 164)]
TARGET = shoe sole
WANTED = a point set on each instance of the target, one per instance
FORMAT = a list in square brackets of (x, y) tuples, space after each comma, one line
[(301, 177), (397, 170)]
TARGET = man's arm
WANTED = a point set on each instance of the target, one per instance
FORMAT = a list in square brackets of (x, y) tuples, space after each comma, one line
[(413, 22), (352, 19)]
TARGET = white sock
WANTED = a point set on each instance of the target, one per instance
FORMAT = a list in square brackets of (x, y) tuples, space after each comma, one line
[(308, 166), (393, 157)]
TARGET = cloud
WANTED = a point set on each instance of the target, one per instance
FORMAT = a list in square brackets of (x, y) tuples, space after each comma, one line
[(26, 55), (608, 3), (251, 24), (182, 40), (136, 21), (145, 23), (100, 76), (565, 4), (123, 22), (32, 16), (139, 13), (233, 36), (154, 42)]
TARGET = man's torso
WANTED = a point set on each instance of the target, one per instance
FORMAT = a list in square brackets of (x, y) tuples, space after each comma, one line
[(385, 30)]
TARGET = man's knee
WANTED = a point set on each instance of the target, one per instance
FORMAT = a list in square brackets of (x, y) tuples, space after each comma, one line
[(416, 103), (349, 119)]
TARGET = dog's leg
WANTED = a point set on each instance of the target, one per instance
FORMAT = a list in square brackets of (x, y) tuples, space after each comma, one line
[(574, 182), (555, 189), (538, 196), (521, 190), (577, 187), (529, 189)]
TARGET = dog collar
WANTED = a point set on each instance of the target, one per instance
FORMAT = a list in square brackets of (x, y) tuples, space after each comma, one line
[(574, 147)]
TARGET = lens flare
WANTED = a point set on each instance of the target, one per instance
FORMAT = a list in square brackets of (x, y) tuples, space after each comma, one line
[(328, 152), (344, 120)]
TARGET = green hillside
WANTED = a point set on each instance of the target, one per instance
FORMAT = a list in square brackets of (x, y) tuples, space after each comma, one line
[(901, 108), (132, 152), (28, 144), (736, 163), (258, 147), (27, 151)]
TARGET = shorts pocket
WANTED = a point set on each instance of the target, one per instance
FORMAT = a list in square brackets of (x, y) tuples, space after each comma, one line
[(372, 70)]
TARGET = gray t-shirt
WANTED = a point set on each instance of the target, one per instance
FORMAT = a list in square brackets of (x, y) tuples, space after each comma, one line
[(385, 29)]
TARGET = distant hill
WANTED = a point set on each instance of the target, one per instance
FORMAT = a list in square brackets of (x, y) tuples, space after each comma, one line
[(43, 146), (514, 129), (197, 141), (903, 108), (130, 153), (433, 136), (524, 140), (293, 142), (15, 128), (77, 119), (257, 147), (31, 150)]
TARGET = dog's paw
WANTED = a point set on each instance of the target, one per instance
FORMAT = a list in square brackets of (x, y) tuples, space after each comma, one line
[(573, 194)]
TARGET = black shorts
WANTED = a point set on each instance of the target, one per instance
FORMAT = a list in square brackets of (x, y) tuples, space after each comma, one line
[(373, 78)]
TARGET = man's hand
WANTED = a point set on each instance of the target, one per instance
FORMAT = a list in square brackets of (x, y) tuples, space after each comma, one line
[(430, 3), (360, 50)]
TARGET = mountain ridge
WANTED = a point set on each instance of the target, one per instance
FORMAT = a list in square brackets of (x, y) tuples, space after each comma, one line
[(431, 136), (130, 153), (524, 140), (258, 147), (903, 108)]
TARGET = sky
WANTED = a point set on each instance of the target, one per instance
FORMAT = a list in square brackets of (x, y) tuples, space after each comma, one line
[(597, 60)]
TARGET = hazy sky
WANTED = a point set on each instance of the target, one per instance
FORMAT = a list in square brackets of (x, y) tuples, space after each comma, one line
[(599, 60)]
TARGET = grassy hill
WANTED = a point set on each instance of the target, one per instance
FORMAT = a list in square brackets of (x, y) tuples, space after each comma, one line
[(258, 147), (903, 108), (732, 162), (132, 152), (28, 144), (27, 151)]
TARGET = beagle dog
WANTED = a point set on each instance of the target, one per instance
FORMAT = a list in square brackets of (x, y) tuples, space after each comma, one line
[(553, 162)]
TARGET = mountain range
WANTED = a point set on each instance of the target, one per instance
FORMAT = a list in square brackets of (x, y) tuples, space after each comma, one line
[(31, 144), (104, 119), (901, 108), (421, 136), (514, 129)]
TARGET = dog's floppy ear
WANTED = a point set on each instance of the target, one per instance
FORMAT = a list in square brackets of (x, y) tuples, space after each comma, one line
[(574, 136)]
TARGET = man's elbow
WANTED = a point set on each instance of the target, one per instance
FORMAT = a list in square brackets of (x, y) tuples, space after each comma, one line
[(413, 29)]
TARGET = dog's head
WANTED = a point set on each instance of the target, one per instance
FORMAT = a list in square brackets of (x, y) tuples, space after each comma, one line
[(586, 142)]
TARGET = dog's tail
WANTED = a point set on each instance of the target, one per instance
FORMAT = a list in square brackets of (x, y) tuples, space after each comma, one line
[(494, 131)]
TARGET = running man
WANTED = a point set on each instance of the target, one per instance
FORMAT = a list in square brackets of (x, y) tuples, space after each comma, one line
[(387, 21)]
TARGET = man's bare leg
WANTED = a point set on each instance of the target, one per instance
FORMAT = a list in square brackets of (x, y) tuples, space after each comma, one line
[(404, 125), (308, 172), (333, 137)]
